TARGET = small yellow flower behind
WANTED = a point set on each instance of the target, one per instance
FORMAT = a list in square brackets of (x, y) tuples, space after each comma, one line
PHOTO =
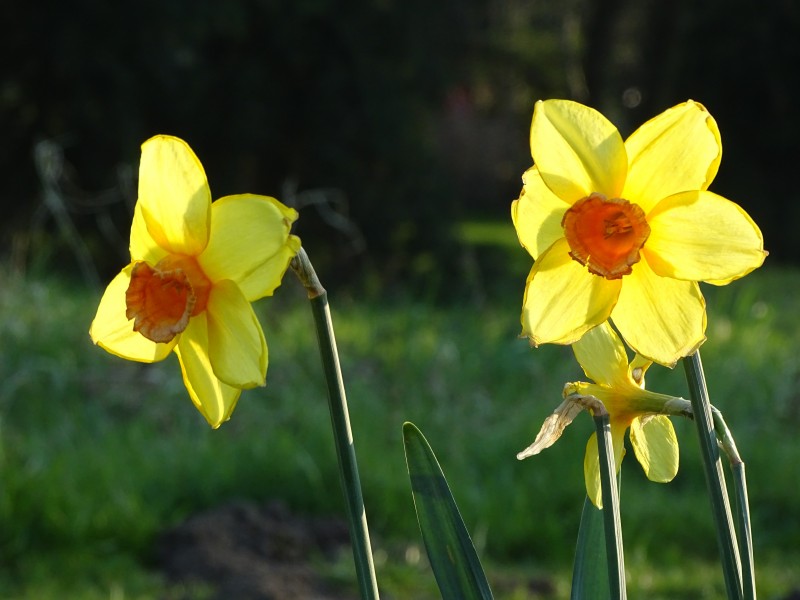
[(620, 386), (626, 230), (195, 268)]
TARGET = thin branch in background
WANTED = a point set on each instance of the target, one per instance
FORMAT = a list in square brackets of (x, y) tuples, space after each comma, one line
[(62, 198), (332, 206), (49, 160)]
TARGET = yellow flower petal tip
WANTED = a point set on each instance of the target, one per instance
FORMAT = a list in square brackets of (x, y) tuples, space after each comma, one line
[(626, 229), (195, 268)]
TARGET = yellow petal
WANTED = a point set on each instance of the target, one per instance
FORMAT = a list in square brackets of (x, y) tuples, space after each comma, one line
[(700, 236), (537, 214), (662, 319), (214, 399), (656, 447), (143, 247), (112, 331), (677, 151), (174, 195), (591, 461), (246, 232), (266, 278), (602, 356), (623, 401), (577, 150), (638, 368), (236, 344), (563, 300)]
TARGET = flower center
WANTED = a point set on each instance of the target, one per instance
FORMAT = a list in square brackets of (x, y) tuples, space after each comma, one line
[(605, 235), (161, 299)]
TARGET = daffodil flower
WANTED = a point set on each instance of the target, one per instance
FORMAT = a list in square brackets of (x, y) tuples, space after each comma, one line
[(620, 387), (195, 268), (626, 230)]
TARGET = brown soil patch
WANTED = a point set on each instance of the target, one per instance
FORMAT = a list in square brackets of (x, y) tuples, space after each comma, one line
[(244, 551)]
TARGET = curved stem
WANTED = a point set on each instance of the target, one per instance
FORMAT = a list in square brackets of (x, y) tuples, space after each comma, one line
[(340, 421), (728, 446)]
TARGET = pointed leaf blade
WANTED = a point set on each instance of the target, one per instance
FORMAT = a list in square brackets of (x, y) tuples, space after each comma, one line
[(590, 570), (450, 550)]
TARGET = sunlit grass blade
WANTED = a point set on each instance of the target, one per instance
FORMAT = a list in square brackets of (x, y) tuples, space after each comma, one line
[(450, 550), (715, 476), (590, 569), (340, 422)]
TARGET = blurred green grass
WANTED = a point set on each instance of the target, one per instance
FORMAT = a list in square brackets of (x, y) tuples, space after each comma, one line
[(98, 455)]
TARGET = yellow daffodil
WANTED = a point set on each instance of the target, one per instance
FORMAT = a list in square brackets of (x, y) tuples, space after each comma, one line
[(620, 387), (626, 230), (195, 268)]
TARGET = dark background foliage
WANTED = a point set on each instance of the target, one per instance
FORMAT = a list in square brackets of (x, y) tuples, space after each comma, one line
[(402, 117)]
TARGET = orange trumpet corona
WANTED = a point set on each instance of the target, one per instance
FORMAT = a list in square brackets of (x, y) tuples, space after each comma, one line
[(161, 299), (605, 235)]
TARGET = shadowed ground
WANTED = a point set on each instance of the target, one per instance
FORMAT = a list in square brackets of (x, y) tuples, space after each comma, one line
[(253, 551)]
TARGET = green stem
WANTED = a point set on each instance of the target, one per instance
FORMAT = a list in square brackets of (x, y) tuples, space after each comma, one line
[(742, 504), (715, 477), (745, 535), (608, 484), (340, 420)]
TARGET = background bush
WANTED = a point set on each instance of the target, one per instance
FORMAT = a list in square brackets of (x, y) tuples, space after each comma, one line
[(412, 115)]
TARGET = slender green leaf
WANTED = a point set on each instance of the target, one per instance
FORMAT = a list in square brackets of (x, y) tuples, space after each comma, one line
[(590, 570), (452, 556)]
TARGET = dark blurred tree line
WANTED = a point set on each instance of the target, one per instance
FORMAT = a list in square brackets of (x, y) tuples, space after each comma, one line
[(384, 121)]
